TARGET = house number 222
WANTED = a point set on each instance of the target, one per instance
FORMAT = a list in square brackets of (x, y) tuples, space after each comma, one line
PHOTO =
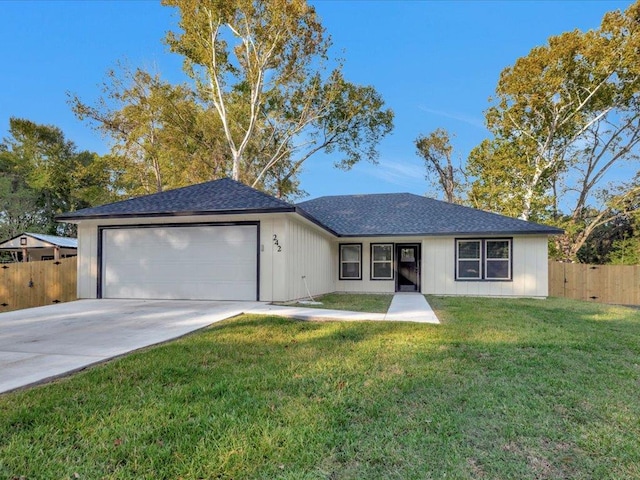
[(276, 243)]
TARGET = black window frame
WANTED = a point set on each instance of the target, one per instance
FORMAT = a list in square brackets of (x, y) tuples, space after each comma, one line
[(340, 261), (483, 259), (391, 262)]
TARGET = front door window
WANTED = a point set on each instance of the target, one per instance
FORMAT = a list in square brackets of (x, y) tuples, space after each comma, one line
[(408, 268), (408, 254)]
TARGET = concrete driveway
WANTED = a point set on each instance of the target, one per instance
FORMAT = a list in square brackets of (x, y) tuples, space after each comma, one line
[(40, 343)]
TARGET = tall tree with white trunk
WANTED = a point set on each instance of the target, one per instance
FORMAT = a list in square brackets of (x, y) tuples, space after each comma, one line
[(570, 111), (263, 67)]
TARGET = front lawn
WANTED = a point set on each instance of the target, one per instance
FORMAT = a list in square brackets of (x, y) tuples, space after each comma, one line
[(354, 302), (502, 389)]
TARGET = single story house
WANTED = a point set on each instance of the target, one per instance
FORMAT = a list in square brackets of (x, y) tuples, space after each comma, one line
[(222, 240), (32, 247)]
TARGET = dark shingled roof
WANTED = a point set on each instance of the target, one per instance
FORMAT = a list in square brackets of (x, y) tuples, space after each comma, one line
[(219, 196), (408, 214), (346, 215)]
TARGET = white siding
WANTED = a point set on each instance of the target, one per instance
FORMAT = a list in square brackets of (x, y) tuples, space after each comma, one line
[(529, 278), (310, 253), (87, 259), (305, 249), (88, 247)]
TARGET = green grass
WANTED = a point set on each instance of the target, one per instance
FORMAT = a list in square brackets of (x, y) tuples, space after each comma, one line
[(503, 389), (354, 302)]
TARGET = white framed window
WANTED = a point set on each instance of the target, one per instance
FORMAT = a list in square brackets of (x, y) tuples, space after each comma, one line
[(382, 261), (469, 259), (350, 261), (497, 262), (484, 259)]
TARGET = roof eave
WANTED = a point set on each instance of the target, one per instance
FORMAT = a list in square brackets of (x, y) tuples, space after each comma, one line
[(451, 234), (77, 218)]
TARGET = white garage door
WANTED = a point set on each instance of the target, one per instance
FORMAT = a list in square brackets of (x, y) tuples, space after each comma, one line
[(186, 262)]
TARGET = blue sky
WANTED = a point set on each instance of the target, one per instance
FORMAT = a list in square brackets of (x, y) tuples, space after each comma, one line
[(436, 63)]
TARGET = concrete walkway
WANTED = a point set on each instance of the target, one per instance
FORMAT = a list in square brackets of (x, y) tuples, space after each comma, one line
[(405, 307), (410, 307)]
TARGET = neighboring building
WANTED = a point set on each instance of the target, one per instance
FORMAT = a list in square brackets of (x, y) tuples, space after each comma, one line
[(223, 240), (32, 247)]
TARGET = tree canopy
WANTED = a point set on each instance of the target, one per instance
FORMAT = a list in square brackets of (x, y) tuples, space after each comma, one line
[(563, 118), (160, 136), (42, 174), (263, 96), (436, 151), (263, 68)]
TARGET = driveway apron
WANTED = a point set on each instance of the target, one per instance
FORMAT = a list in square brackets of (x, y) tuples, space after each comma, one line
[(40, 343)]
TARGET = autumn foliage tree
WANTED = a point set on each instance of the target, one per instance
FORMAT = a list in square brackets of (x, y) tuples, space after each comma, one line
[(263, 68), (564, 117), (436, 151), (159, 134)]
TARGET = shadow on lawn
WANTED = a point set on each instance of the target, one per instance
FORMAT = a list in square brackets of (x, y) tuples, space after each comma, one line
[(515, 389), (456, 399)]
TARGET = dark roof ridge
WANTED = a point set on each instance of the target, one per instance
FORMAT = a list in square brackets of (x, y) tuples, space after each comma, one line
[(223, 195), (422, 197), (357, 195), (411, 214), (342, 215), (200, 185)]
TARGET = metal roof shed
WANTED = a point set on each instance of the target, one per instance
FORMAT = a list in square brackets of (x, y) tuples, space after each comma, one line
[(37, 246)]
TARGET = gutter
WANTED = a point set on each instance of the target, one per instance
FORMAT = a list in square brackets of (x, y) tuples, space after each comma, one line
[(76, 218)]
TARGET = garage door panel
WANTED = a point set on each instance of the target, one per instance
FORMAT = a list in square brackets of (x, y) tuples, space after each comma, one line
[(181, 291), (197, 262)]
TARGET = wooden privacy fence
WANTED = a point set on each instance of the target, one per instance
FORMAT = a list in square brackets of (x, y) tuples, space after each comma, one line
[(33, 284), (617, 284)]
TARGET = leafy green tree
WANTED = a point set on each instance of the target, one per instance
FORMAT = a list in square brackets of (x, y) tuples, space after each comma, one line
[(160, 136), (564, 117), (262, 68), (18, 207), (436, 151), (43, 175), (601, 244), (498, 167), (625, 248), (626, 251)]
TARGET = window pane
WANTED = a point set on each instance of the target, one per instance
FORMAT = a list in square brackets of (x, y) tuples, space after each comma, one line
[(469, 269), (469, 249), (497, 249), (382, 270), (350, 270), (350, 253), (407, 255), (382, 253), (498, 269)]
